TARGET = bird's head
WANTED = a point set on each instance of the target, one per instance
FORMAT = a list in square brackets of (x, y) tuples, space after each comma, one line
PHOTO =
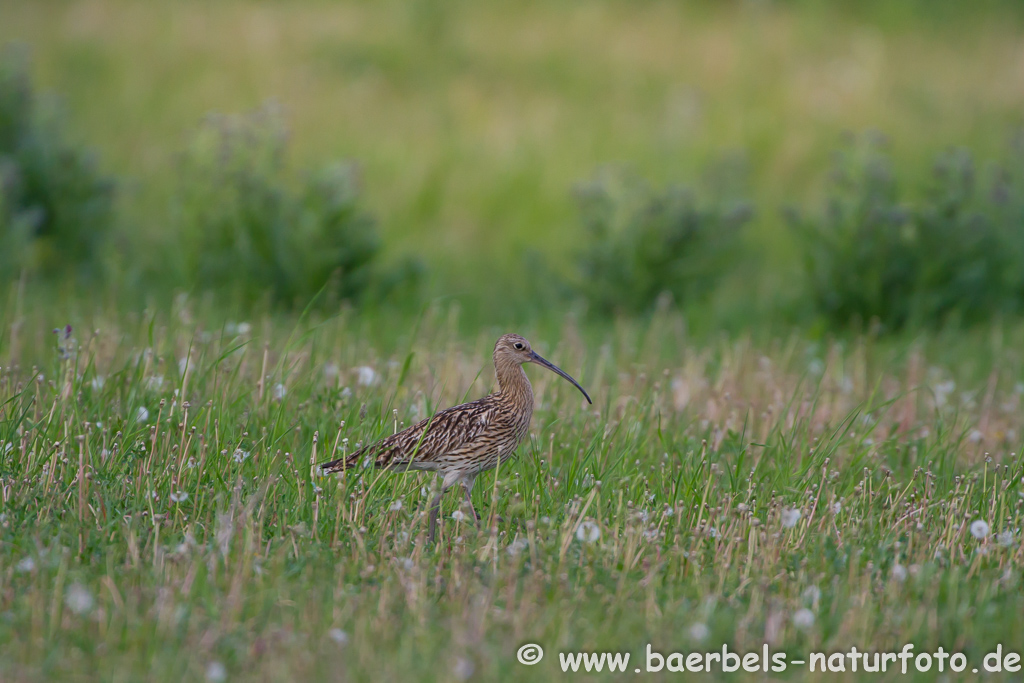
[(512, 349)]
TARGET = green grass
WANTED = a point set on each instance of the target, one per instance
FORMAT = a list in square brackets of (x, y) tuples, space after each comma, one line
[(197, 537)]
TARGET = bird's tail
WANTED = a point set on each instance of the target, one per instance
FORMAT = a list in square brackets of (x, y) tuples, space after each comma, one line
[(342, 464)]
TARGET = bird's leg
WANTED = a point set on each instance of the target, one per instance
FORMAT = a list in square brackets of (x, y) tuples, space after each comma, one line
[(435, 510), (469, 501)]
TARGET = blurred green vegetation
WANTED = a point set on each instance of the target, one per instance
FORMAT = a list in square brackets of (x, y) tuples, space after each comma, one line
[(56, 207), (240, 229), (472, 122), (642, 244), (953, 255)]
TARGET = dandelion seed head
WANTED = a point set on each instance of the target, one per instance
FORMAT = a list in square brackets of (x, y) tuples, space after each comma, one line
[(812, 594), (463, 668), (367, 376), (517, 546), (588, 532), (79, 599), (216, 673), (803, 619)]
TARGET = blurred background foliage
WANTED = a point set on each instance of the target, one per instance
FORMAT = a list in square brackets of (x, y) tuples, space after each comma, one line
[(953, 255), (242, 227), (56, 211), (421, 149)]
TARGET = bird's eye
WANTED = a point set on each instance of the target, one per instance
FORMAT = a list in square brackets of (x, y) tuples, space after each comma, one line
[(518, 346)]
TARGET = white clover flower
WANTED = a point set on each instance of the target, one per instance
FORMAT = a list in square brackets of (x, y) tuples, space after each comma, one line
[(142, 414), (458, 515), (803, 619), (979, 529), (588, 532), (975, 436), (331, 370), (216, 673), (27, 564), (338, 636), (179, 497), (699, 632), (240, 456), (396, 506), (244, 327), (837, 507), (1005, 538), (790, 516), (155, 382), (899, 572), (280, 391), (78, 599), (97, 382), (367, 376)]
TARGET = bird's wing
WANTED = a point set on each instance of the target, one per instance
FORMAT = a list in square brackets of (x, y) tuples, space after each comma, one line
[(425, 441)]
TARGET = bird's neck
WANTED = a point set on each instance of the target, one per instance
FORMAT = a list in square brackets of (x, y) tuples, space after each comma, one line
[(513, 384)]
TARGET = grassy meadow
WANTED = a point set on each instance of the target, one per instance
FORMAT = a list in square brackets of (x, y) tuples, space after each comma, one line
[(809, 486), (161, 519)]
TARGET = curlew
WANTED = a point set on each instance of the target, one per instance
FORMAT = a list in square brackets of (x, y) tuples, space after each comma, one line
[(461, 442)]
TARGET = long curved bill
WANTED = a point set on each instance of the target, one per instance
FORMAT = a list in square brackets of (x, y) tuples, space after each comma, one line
[(535, 358)]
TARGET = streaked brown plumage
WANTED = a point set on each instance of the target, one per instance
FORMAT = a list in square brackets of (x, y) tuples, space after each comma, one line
[(461, 442)]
